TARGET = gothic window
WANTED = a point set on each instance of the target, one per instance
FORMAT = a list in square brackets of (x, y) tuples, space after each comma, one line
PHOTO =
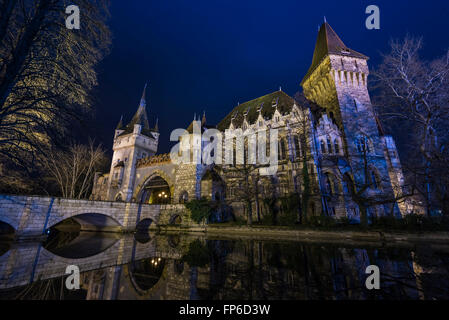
[(282, 150), (327, 181), (347, 184), (323, 147), (329, 145), (297, 146), (336, 146), (184, 197), (363, 145), (374, 180), (336, 186), (355, 105)]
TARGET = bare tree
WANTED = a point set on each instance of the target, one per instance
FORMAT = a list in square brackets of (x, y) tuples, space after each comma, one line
[(413, 94), (46, 72), (73, 170)]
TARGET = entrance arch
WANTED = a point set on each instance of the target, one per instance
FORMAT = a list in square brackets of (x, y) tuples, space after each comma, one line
[(156, 191), (212, 186)]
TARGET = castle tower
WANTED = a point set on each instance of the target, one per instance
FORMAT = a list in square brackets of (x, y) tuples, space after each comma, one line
[(337, 82), (132, 142)]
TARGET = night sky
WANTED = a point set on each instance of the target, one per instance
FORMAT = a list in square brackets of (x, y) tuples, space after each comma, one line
[(210, 55)]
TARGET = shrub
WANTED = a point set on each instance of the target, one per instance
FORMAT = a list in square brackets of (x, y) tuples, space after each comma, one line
[(200, 210)]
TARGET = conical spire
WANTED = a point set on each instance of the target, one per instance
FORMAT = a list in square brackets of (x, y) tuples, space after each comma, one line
[(203, 121), (140, 117), (156, 126), (143, 99), (328, 42), (120, 124)]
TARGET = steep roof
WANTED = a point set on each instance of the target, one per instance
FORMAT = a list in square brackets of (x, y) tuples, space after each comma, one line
[(328, 42), (284, 104), (140, 117)]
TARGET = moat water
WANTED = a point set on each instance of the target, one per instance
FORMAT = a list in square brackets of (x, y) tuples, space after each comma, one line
[(157, 267)]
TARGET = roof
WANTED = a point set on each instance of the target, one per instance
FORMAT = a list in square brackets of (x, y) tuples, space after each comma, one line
[(284, 105), (140, 117), (328, 42)]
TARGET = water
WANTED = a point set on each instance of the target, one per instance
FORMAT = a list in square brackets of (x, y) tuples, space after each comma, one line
[(157, 267)]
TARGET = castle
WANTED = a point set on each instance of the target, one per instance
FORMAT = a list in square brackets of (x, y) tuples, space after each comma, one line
[(331, 149)]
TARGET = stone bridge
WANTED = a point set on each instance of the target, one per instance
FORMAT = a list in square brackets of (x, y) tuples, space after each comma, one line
[(33, 216), (25, 263)]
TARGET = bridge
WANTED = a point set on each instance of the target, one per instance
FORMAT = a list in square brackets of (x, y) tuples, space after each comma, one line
[(25, 263), (31, 216)]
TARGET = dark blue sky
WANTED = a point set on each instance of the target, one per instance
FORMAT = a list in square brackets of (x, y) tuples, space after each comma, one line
[(209, 55)]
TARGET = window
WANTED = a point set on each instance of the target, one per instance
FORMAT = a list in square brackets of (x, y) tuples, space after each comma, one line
[(329, 145), (323, 147), (363, 145), (374, 180), (355, 105), (336, 146), (327, 181), (297, 146), (347, 184), (282, 150)]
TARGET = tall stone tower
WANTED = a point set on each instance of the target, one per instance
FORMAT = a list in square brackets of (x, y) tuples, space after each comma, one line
[(337, 82), (131, 143)]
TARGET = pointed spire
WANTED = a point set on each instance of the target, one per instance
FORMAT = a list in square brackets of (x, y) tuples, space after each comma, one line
[(194, 116), (156, 126), (325, 21), (203, 121), (143, 99), (140, 117), (328, 42), (120, 124)]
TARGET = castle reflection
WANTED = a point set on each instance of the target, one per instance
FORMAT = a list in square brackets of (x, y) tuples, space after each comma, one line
[(182, 267)]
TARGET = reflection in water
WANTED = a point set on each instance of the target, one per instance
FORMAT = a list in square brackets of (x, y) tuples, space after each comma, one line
[(182, 267), (76, 245)]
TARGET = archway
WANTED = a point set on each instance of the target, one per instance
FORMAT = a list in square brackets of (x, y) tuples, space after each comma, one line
[(212, 186), (144, 226), (146, 273), (156, 191), (6, 230)]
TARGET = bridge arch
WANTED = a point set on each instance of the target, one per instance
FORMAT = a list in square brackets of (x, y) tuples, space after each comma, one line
[(146, 275), (144, 225), (6, 228), (90, 221)]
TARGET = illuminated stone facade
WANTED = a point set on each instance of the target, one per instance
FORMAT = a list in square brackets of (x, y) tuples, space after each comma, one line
[(331, 128)]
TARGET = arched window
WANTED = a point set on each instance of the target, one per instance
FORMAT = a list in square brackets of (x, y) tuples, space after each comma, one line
[(184, 197), (348, 186), (323, 147), (328, 183), (336, 146), (283, 151), (336, 186), (329, 145), (297, 146), (374, 180)]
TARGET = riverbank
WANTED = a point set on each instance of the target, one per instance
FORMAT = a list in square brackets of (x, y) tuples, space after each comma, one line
[(285, 233)]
